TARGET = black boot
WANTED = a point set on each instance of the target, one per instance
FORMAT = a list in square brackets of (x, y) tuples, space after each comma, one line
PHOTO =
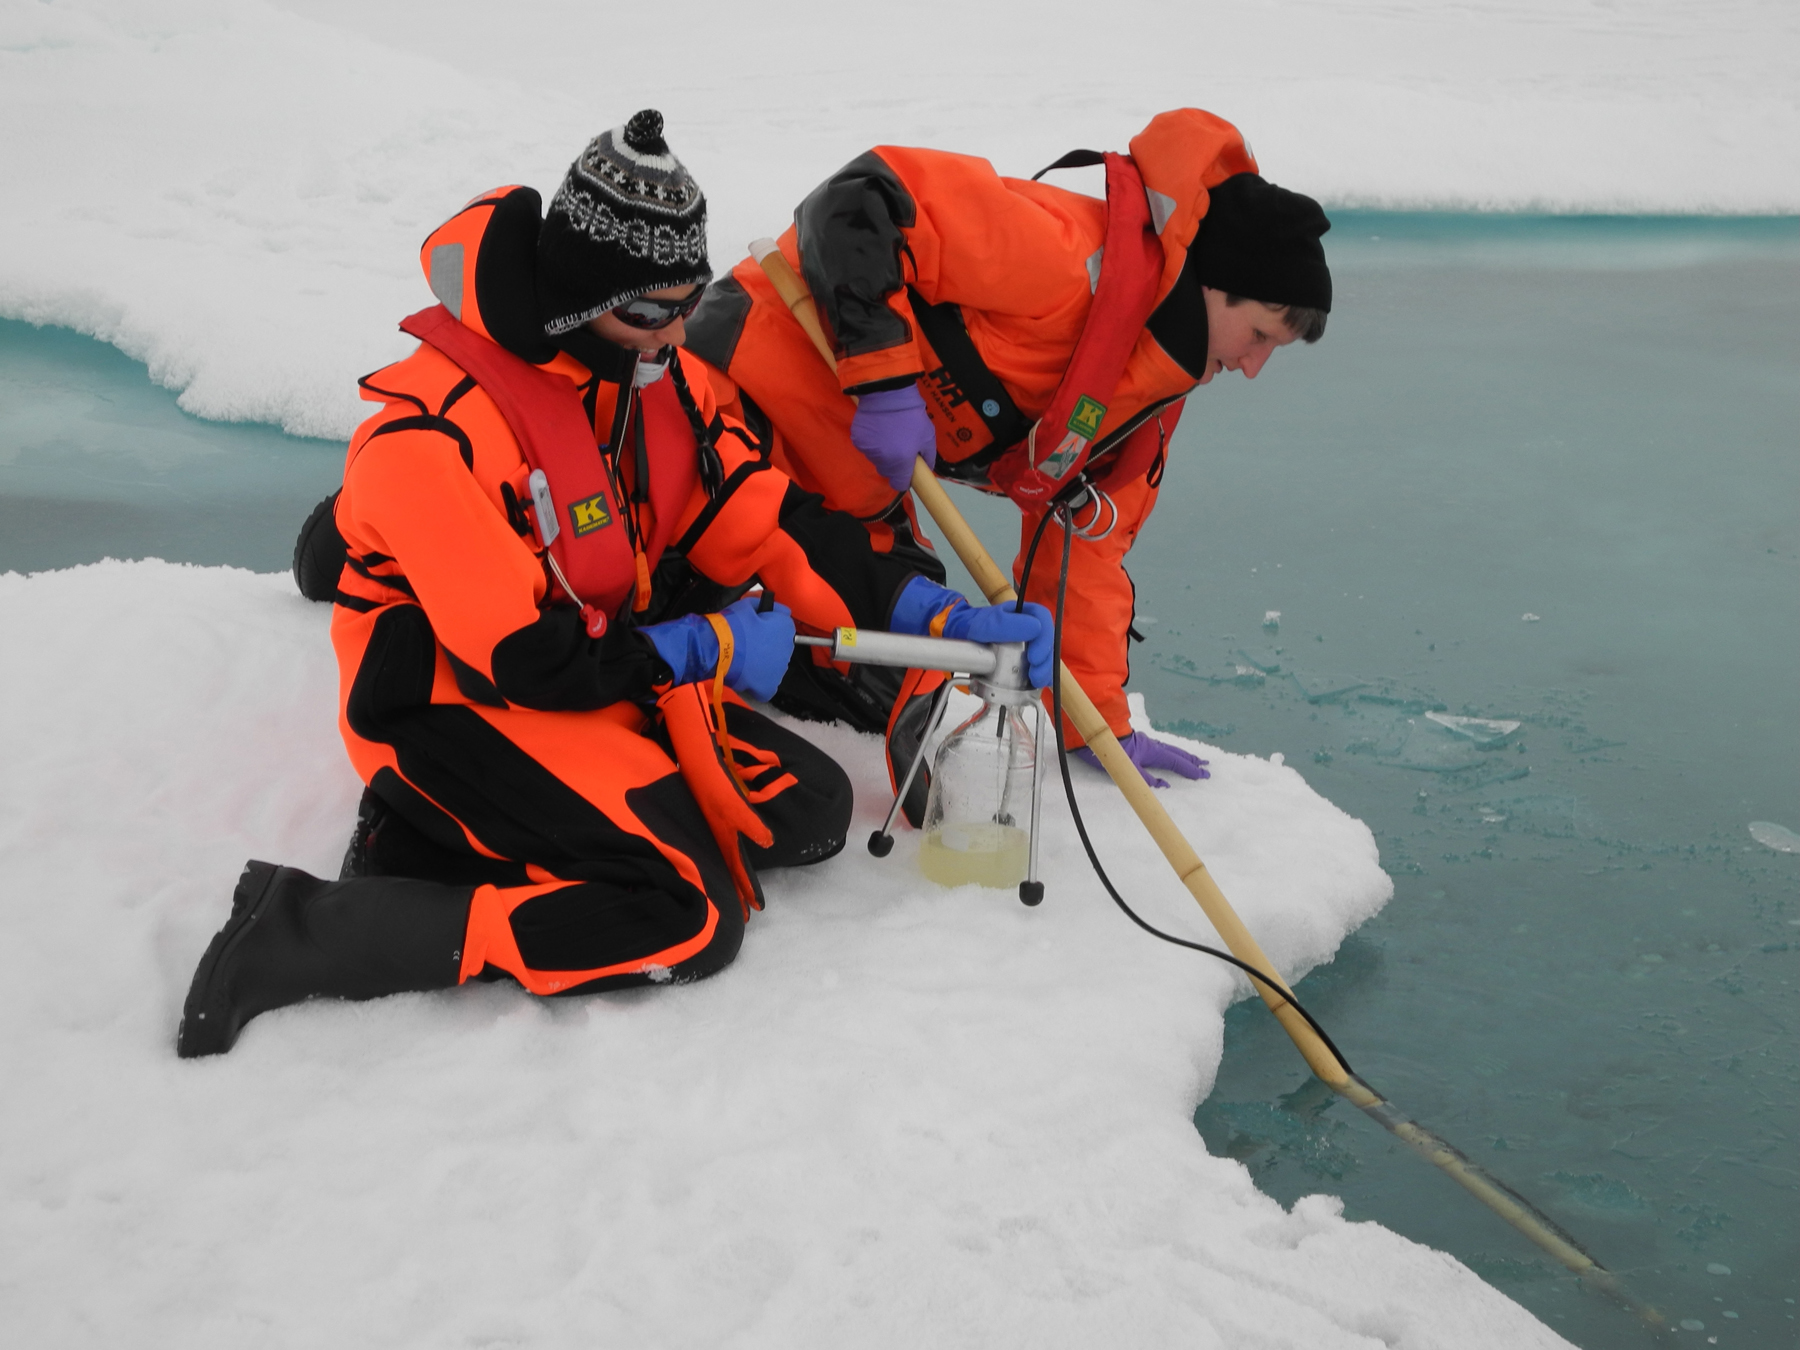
[(291, 937), (319, 552)]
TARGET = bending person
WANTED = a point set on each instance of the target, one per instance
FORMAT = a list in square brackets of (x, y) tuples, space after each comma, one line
[(1024, 339), (536, 561)]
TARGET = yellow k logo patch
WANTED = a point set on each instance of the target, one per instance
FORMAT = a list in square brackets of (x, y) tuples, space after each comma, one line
[(590, 515), (1085, 420)]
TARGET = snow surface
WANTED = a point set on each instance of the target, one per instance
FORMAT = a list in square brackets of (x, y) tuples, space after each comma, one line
[(905, 1116), (234, 191)]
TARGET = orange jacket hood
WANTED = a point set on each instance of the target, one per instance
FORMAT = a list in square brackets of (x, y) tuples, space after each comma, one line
[(481, 264), (1182, 155)]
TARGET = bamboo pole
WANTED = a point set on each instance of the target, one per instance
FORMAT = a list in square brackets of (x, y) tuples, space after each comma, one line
[(1238, 940)]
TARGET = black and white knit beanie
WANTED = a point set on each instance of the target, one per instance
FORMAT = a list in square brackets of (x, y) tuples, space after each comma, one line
[(627, 219)]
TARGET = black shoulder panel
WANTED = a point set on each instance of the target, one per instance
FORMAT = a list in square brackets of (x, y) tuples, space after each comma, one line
[(714, 329), (850, 244)]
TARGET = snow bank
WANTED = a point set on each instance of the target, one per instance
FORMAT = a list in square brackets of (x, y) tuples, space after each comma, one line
[(234, 192), (905, 1116)]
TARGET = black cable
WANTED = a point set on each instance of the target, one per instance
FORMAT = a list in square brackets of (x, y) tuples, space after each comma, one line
[(1037, 537), (1062, 760)]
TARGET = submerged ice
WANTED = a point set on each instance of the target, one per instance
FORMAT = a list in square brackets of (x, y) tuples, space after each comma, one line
[(1778, 837)]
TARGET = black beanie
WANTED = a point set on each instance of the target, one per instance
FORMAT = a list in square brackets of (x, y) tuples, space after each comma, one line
[(1261, 242), (627, 219)]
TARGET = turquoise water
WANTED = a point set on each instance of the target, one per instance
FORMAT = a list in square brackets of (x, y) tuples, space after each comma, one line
[(95, 461), (1586, 978)]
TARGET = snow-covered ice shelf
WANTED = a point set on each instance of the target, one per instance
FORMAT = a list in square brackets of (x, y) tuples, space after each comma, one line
[(905, 1116)]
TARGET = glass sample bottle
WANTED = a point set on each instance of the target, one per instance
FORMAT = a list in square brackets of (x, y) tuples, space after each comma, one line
[(979, 814)]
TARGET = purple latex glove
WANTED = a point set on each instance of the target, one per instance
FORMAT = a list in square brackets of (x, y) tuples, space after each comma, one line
[(892, 428), (1149, 753)]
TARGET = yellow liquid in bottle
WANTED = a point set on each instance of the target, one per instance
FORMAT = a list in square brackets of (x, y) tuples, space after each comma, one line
[(985, 855)]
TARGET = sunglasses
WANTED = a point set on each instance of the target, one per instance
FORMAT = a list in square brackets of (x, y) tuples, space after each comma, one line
[(648, 313)]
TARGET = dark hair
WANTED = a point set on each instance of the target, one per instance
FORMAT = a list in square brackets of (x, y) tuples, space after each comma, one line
[(1303, 322)]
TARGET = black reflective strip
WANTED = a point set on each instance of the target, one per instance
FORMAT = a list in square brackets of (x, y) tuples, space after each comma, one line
[(948, 335), (450, 399), (1075, 159), (356, 602), (749, 443), (363, 383), (442, 425), (398, 583), (710, 512)]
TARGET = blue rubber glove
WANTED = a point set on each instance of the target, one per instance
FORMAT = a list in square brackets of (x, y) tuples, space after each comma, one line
[(762, 645), (1149, 753), (892, 428), (922, 601)]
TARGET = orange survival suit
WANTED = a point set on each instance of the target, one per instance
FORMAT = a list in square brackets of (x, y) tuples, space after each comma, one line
[(929, 266), (512, 739)]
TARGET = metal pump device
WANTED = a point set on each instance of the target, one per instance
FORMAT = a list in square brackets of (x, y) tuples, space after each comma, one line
[(987, 772)]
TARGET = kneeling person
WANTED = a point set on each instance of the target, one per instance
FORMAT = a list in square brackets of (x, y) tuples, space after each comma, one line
[(536, 559)]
